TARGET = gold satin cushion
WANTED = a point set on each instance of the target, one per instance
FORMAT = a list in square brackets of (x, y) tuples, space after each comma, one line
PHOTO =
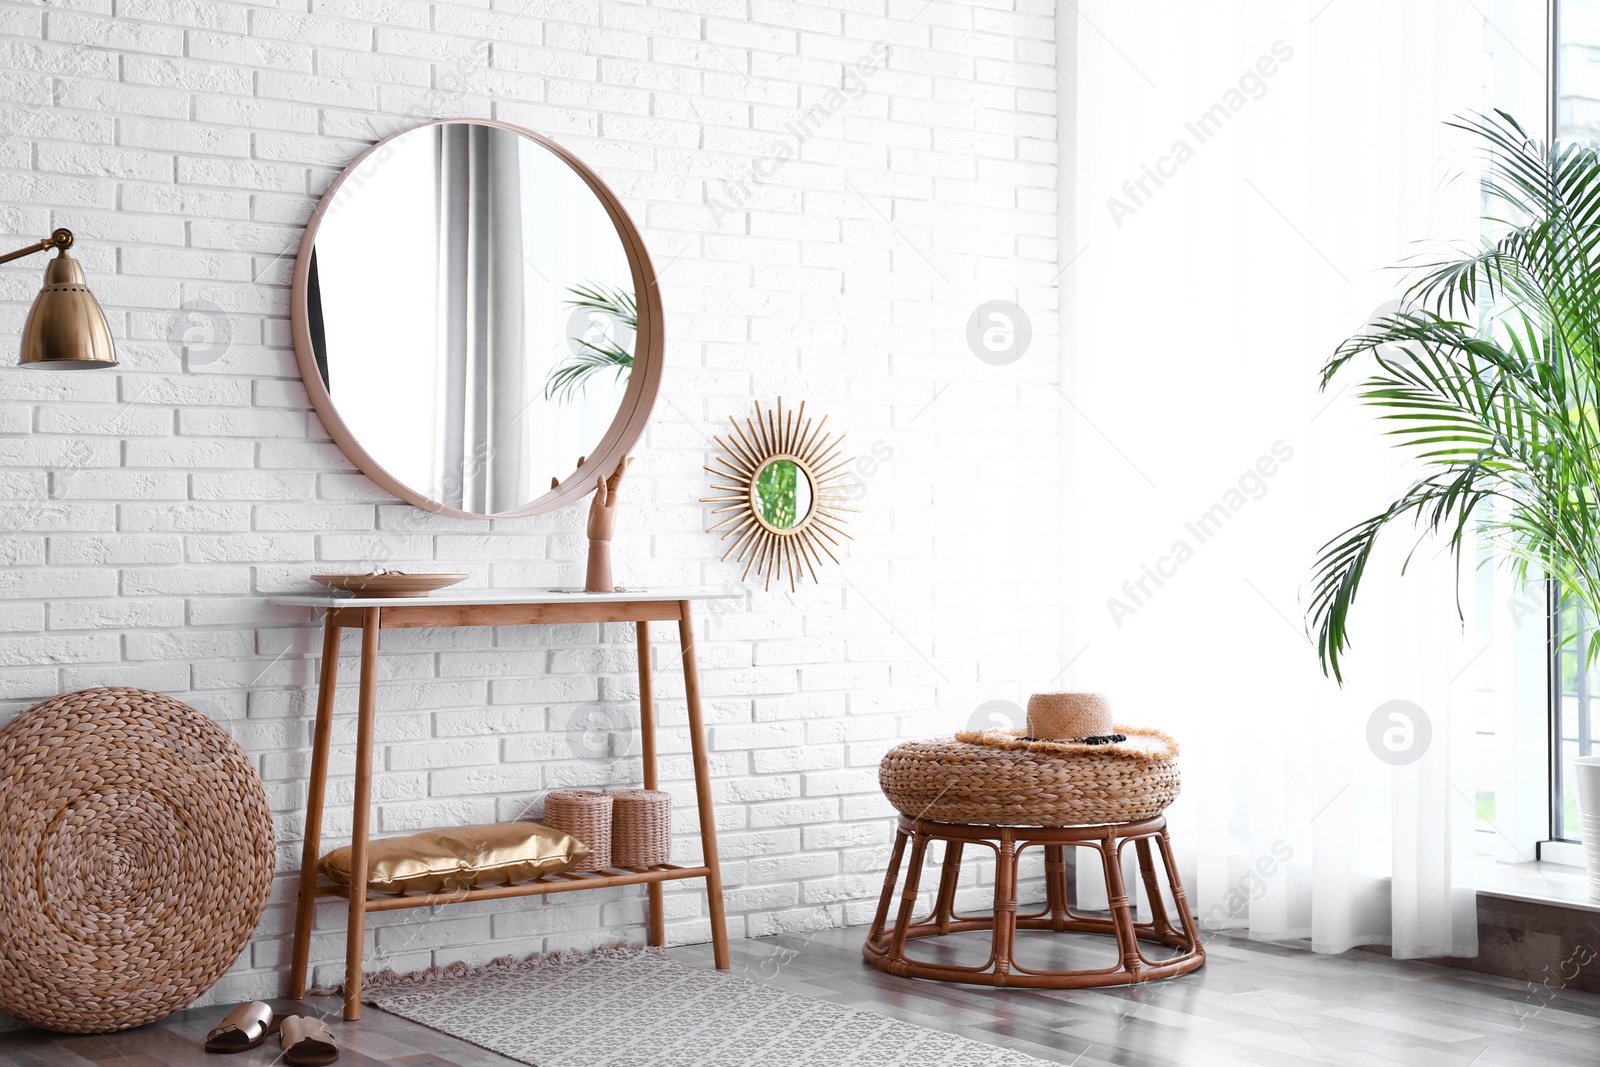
[(460, 857)]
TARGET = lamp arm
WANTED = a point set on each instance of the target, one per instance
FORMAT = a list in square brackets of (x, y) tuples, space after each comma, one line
[(61, 239)]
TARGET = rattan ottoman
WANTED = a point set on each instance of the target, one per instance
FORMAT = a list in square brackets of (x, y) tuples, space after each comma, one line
[(1013, 797)]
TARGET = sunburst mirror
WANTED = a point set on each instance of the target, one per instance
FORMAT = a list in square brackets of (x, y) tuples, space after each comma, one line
[(783, 480)]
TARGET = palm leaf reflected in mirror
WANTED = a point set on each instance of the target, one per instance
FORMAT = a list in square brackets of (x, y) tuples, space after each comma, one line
[(568, 378)]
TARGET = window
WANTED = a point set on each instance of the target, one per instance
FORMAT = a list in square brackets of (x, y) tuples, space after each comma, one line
[(1576, 697), (1574, 689), (1510, 676)]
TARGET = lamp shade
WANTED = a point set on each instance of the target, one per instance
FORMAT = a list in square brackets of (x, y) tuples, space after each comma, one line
[(66, 330)]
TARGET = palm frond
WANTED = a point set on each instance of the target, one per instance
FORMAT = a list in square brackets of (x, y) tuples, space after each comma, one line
[(568, 378), (1489, 379)]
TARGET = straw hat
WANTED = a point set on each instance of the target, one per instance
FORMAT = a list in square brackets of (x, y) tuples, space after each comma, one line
[(1080, 717)]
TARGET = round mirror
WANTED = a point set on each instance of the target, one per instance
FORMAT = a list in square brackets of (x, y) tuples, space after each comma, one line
[(781, 494), (473, 311)]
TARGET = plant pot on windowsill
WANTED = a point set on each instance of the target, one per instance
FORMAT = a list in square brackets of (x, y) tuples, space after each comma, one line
[(1587, 771)]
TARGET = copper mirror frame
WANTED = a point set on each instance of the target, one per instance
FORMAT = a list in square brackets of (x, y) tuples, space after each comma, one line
[(643, 383)]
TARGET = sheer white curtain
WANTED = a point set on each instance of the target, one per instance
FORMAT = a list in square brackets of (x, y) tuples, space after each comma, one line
[(1245, 173)]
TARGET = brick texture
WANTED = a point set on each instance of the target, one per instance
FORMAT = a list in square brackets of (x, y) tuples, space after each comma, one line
[(828, 190)]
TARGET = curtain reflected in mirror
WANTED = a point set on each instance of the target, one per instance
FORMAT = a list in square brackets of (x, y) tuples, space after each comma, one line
[(472, 314), (481, 337)]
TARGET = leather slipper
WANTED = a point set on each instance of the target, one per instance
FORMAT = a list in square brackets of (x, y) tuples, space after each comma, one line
[(307, 1042), (246, 1026)]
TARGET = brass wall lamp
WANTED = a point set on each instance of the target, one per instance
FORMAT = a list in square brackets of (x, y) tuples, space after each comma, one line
[(65, 329)]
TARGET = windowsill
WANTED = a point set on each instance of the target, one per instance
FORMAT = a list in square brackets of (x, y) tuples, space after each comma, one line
[(1543, 882)]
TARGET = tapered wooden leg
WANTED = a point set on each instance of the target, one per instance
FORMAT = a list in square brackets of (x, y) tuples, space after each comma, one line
[(702, 788), (1005, 905), (355, 934), (647, 741), (1055, 884), (1121, 915), (310, 852), (890, 879), (1158, 907), (944, 905)]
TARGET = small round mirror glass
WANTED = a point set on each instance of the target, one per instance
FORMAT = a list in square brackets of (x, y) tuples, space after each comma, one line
[(468, 296), (781, 494)]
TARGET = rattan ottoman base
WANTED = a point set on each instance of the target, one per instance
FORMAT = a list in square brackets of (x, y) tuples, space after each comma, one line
[(886, 944)]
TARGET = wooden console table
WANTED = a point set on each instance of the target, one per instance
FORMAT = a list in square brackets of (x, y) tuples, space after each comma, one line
[(469, 607)]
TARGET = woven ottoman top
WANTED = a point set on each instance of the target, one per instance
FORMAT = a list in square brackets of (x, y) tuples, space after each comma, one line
[(136, 856), (999, 779)]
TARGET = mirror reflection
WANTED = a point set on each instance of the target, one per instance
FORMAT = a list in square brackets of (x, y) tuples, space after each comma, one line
[(472, 314), (781, 494)]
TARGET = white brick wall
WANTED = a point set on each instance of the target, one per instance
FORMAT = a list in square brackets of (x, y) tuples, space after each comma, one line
[(149, 509)]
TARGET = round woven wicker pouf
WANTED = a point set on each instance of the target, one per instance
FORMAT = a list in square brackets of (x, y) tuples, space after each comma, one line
[(136, 854), (999, 791), (952, 781)]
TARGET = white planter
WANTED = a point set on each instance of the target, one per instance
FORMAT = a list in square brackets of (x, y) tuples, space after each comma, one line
[(1587, 770)]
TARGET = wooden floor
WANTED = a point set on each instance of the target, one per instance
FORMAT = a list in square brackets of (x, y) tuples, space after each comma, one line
[(1251, 1004)]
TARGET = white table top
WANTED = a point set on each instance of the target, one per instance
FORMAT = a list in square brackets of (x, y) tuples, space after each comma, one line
[(459, 596)]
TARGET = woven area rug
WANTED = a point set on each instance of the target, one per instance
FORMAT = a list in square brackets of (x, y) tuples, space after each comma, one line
[(631, 1007)]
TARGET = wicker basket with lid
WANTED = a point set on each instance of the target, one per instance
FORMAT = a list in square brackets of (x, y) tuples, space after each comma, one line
[(585, 815)]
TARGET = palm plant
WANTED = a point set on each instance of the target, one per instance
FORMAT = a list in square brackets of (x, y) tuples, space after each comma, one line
[(594, 357), (1502, 414)]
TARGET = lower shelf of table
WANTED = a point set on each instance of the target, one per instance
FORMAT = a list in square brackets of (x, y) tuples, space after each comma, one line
[(555, 883)]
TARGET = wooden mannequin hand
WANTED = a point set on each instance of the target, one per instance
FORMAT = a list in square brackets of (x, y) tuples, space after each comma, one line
[(603, 508), (602, 523)]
